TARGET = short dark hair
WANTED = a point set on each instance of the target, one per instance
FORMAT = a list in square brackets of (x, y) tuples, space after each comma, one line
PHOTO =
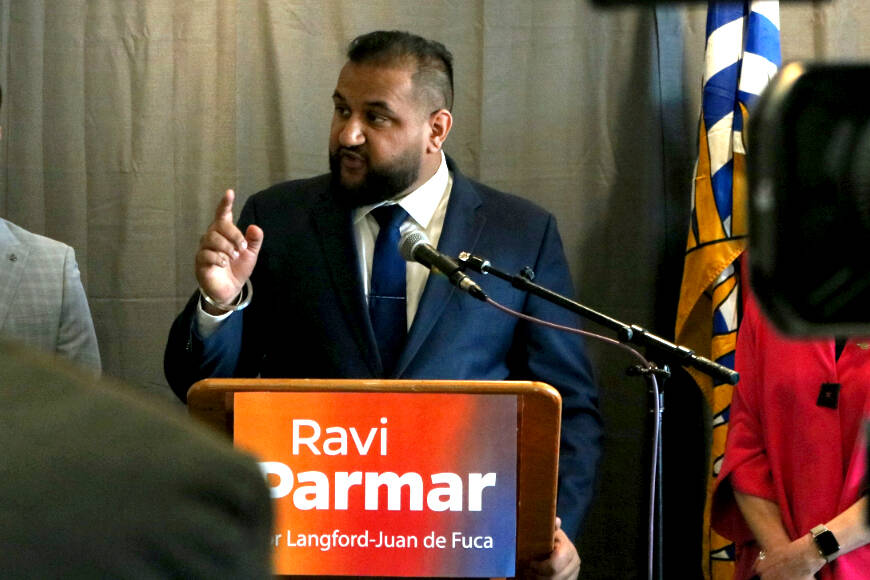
[(434, 62)]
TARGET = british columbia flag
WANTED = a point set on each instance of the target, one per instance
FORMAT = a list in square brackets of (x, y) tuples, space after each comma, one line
[(742, 54)]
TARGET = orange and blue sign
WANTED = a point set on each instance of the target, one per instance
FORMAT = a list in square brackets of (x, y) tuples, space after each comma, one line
[(387, 484)]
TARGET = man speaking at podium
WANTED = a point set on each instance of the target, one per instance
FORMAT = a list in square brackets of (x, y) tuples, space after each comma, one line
[(333, 298)]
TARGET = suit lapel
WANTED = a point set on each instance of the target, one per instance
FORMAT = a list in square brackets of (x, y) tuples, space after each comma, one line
[(13, 258), (335, 231), (462, 226)]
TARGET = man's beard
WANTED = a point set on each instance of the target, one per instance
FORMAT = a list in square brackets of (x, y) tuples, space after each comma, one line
[(380, 182)]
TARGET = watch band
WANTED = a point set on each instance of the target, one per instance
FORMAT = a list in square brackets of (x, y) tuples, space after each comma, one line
[(825, 541)]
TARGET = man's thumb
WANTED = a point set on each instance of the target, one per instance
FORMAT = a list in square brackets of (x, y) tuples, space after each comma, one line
[(254, 237)]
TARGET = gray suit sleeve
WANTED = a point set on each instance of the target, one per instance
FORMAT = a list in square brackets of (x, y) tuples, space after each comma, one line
[(76, 338)]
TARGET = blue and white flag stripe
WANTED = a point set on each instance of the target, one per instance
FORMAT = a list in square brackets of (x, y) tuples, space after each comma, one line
[(761, 55), (735, 71)]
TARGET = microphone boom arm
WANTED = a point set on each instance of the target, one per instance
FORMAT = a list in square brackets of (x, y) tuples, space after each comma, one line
[(634, 334)]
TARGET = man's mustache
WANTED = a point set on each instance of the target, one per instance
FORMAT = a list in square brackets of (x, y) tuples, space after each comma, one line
[(352, 152)]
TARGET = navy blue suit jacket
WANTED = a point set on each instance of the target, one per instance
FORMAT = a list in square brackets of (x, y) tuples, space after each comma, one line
[(309, 318)]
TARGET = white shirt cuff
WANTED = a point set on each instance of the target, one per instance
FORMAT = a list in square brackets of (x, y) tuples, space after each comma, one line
[(207, 324)]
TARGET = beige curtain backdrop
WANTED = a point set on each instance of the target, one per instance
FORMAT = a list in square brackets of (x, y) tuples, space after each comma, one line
[(125, 120)]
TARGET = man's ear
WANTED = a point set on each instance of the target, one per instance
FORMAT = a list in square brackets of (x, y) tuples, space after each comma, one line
[(440, 123)]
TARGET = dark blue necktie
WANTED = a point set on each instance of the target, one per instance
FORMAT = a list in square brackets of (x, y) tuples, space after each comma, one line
[(387, 302)]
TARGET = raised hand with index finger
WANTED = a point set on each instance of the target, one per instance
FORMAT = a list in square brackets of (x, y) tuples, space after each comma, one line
[(225, 258)]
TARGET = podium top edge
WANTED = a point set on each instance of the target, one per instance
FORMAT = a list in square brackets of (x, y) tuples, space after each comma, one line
[(210, 387)]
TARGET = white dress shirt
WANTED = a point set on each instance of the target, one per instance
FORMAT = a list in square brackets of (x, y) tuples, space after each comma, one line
[(426, 207)]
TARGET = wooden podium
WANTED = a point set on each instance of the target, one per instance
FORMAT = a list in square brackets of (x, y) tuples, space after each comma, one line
[(538, 423)]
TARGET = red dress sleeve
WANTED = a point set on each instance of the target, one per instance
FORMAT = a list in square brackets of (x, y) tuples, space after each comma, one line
[(745, 467)]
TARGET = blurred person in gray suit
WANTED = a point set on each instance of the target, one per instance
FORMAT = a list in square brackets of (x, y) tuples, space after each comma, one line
[(42, 301), (95, 481)]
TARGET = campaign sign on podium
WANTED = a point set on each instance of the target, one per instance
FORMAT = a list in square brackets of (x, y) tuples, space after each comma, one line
[(387, 484)]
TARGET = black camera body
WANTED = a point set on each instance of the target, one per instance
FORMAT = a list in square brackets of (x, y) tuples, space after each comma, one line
[(808, 166)]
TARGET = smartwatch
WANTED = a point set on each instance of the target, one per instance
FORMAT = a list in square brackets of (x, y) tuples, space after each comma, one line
[(826, 542)]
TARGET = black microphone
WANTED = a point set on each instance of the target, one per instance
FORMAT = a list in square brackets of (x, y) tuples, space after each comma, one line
[(414, 246)]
